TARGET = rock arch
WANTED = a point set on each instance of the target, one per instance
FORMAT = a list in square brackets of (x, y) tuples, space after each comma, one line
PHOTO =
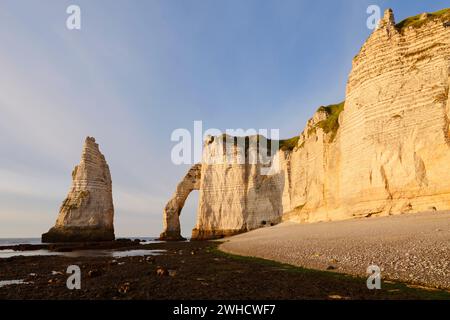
[(171, 214)]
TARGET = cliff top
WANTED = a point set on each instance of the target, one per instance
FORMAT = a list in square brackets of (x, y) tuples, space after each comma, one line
[(419, 20), (331, 123), (284, 144)]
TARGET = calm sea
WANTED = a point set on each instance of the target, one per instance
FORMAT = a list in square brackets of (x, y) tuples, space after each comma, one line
[(13, 241)]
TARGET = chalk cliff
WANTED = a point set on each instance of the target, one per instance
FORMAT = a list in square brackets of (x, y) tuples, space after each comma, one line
[(386, 150), (87, 213)]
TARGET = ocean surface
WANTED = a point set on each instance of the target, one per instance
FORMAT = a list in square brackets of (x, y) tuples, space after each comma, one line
[(8, 253), (13, 241)]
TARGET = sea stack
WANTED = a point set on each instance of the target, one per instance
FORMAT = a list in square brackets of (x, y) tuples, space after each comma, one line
[(87, 213)]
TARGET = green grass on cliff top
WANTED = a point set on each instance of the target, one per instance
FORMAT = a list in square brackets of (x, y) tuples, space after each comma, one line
[(289, 144), (331, 124), (417, 22)]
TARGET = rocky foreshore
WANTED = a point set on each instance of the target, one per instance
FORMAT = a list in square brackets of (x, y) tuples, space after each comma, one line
[(73, 246), (185, 270)]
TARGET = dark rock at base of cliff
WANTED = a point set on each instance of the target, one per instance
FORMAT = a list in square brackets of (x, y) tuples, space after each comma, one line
[(171, 236), (77, 234), (214, 234)]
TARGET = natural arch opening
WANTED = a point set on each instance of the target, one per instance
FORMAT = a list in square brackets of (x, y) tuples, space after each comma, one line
[(172, 211), (188, 217)]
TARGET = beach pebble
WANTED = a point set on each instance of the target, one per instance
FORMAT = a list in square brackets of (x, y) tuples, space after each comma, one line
[(94, 273), (51, 281), (160, 271), (124, 288), (172, 273), (338, 297)]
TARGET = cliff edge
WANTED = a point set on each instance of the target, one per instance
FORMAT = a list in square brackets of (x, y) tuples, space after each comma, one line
[(384, 151)]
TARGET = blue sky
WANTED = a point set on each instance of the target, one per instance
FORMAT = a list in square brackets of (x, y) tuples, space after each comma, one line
[(137, 70)]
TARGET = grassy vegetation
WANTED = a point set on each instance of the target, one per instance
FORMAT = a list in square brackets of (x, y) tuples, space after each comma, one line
[(73, 206), (417, 22), (289, 144), (331, 123), (390, 289), (75, 203)]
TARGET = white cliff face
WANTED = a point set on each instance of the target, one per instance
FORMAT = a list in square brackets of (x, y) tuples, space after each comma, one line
[(234, 196), (87, 213), (394, 149), (387, 152), (391, 151)]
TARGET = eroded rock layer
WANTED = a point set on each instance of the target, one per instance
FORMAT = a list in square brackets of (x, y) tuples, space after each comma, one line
[(385, 151), (87, 213)]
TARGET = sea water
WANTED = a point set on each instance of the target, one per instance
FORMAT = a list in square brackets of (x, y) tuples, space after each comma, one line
[(8, 253), (14, 241)]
